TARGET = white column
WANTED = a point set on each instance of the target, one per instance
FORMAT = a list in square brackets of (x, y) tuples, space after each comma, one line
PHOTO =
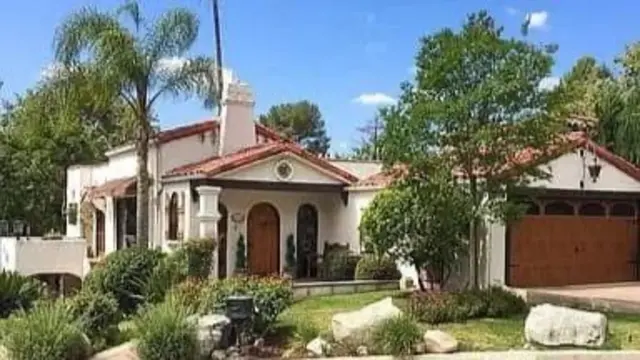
[(208, 217)]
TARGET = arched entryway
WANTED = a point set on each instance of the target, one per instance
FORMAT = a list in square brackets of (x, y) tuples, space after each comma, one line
[(263, 240), (307, 241), (222, 241)]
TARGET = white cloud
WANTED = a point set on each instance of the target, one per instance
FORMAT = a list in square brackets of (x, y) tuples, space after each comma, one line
[(537, 19), (376, 98), (512, 11), (549, 83), (171, 64)]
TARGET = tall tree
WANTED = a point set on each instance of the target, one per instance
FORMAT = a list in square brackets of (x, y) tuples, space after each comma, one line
[(62, 121), (476, 103), (581, 86), (139, 61), (369, 147), (300, 121)]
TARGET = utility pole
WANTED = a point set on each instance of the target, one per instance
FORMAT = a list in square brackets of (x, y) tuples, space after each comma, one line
[(218, 44)]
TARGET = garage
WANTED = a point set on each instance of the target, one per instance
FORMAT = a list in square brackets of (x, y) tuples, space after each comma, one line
[(570, 241)]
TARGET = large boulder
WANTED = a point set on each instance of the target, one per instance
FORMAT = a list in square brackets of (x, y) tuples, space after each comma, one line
[(213, 332), (440, 342), (354, 324), (551, 325)]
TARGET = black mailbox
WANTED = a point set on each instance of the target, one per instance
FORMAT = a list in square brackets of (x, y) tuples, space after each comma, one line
[(239, 308)]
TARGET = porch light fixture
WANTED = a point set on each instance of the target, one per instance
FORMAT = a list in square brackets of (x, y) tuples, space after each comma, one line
[(237, 217), (594, 170)]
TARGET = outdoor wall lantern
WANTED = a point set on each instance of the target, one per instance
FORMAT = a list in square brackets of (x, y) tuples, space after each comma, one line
[(594, 169), (237, 217)]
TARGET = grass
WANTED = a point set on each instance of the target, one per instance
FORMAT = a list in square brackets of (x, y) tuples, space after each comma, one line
[(476, 335)]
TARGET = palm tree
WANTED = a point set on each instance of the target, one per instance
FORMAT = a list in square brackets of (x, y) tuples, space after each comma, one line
[(143, 61)]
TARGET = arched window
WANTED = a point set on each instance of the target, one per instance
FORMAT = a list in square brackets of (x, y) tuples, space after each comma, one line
[(559, 208), (173, 217), (622, 210), (592, 209)]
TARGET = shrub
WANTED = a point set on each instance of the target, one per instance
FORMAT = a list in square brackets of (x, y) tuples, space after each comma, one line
[(125, 274), (188, 295), (170, 271), (271, 296), (290, 255), (198, 254), (441, 307), (370, 267), (98, 316), (338, 263), (396, 336), (47, 332), (18, 292), (241, 255), (165, 333), (502, 303)]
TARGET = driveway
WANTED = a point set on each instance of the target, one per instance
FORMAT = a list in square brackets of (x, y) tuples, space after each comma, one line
[(619, 297)]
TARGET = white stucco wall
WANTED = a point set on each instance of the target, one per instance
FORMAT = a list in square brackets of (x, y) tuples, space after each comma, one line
[(37, 256), (361, 169), (566, 173), (303, 171), (568, 170), (287, 204)]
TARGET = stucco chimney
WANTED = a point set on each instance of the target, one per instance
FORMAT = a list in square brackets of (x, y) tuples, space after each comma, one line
[(237, 129)]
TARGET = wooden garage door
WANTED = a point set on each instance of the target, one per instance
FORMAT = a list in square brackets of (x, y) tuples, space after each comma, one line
[(555, 250)]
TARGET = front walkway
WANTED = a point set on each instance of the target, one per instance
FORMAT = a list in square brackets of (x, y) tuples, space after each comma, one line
[(617, 297)]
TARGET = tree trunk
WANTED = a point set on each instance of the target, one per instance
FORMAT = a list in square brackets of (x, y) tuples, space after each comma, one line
[(142, 193), (473, 236)]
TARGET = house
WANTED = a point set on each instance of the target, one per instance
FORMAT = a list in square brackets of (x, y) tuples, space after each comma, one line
[(224, 178), (230, 178)]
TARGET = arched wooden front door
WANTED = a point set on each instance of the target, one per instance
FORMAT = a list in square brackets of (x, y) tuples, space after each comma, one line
[(263, 233), (307, 241), (222, 241)]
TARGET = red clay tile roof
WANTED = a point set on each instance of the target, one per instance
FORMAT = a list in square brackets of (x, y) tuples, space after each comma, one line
[(180, 132), (219, 164), (569, 142), (116, 188)]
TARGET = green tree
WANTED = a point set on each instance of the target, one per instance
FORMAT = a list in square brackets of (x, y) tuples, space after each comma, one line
[(581, 87), (369, 147), (138, 61), (300, 121), (422, 220), (476, 103), (62, 121)]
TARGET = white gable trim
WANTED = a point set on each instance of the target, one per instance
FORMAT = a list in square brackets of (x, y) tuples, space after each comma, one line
[(287, 154)]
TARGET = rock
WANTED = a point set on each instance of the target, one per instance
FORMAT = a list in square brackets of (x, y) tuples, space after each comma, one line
[(354, 324), (421, 348), (440, 342), (551, 325), (362, 351), (218, 355), (122, 351), (259, 342), (318, 346), (213, 331)]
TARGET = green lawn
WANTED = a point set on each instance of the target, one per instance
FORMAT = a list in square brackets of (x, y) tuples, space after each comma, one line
[(482, 334)]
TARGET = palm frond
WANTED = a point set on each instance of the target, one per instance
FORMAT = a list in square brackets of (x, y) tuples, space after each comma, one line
[(195, 76), (132, 9), (172, 34)]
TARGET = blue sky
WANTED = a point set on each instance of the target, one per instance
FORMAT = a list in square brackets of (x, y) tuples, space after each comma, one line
[(345, 55)]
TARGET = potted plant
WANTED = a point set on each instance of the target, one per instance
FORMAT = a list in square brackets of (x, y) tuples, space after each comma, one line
[(290, 258), (241, 256)]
